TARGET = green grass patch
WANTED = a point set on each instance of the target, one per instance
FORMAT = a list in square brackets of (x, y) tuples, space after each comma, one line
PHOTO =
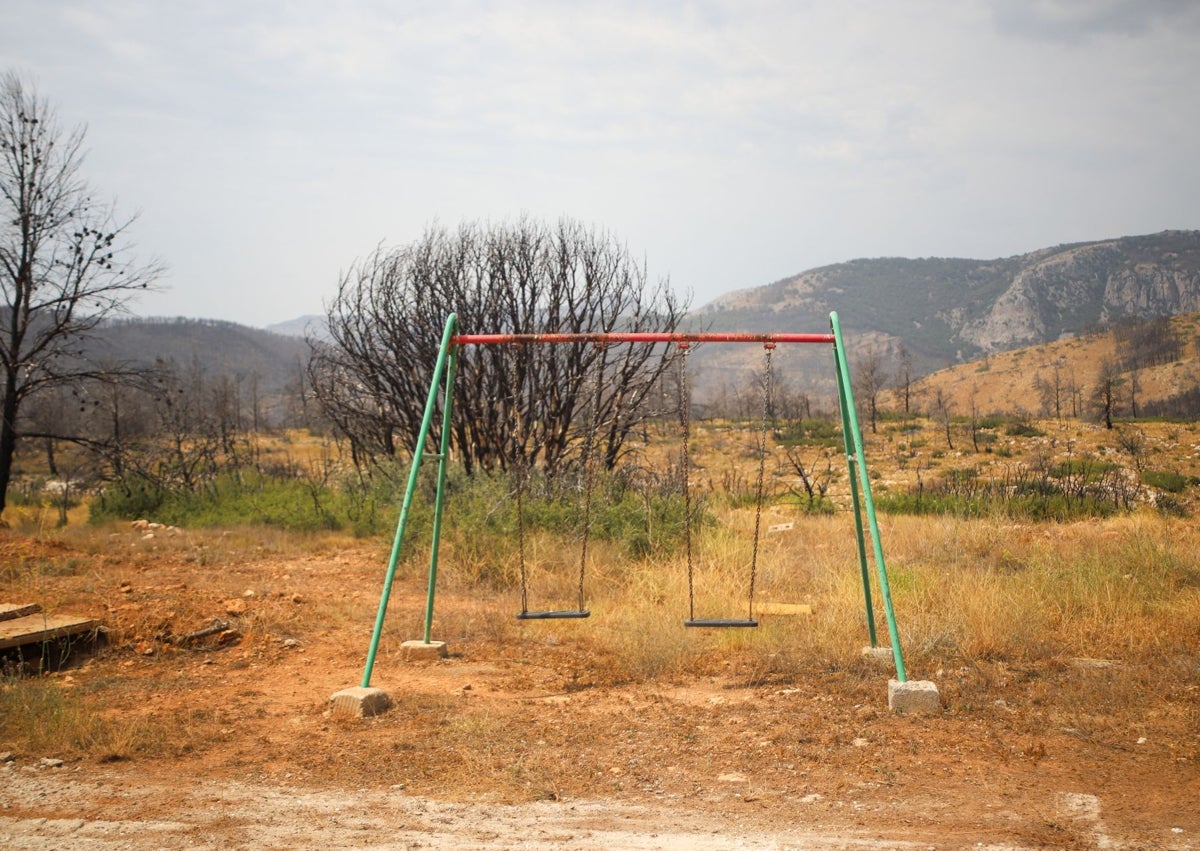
[(810, 432), (1166, 480)]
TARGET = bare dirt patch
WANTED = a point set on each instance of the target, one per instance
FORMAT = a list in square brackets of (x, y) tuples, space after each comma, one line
[(525, 737)]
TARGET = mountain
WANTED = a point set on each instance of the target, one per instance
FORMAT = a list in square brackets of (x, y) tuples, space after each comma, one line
[(301, 326), (941, 310), (270, 361), (948, 310)]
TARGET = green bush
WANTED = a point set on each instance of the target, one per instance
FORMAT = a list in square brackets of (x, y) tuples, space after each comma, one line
[(1023, 429), (810, 432), (1165, 480), (238, 498), (478, 510)]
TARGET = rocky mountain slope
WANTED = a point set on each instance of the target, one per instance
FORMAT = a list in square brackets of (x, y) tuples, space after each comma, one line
[(947, 310)]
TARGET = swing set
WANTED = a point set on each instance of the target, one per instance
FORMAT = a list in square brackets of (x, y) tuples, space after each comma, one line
[(441, 389)]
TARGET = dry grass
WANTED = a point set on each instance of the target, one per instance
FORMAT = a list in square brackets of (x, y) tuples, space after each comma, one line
[(981, 604), (965, 592)]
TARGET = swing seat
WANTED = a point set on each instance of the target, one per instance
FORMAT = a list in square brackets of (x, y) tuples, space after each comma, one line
[(720, 623), (553, 615)]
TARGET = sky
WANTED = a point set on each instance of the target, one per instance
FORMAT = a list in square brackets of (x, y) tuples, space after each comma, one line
[(266, 147)]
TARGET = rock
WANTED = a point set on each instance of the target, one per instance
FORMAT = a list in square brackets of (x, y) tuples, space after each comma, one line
[(359, 702), (50, 762)]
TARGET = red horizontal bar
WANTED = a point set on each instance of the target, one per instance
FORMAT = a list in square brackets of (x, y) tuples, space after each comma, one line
[(637, 337)]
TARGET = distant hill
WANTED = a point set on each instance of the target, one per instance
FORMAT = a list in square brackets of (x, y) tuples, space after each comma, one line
[(311, 323), (1032, 379), (951, 310), (273, 361), (942, 310), (948, 309)]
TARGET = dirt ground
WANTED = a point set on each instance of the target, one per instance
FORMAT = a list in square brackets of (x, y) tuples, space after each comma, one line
[(520, 738)]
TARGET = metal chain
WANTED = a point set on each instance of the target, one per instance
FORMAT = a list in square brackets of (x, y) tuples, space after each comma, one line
[(589, 451), (762, 463), (520, 476), (685, 414)]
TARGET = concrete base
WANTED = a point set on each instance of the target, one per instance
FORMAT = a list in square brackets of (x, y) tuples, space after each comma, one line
[(913, 697), (880, 657), (417, 651), (359, 702)]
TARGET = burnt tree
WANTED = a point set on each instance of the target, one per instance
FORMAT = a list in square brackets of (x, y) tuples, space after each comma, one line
[(527, 404)]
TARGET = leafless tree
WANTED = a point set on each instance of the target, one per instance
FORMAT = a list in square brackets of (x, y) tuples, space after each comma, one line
[(815, 476), (974, 417), (65, 260), (1135, 387), (868, 384), (904, 380), (1051, 391), (1104, 399), (943, 408), (1133, 441), (1075, 393), (1146, 342), (528, 404)]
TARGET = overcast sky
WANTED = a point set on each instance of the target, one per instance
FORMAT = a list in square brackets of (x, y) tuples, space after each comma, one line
[(267, 146)]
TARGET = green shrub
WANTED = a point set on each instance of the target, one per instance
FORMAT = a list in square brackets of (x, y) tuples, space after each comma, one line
[(1165, 480), (811, 432), (1023, 429)]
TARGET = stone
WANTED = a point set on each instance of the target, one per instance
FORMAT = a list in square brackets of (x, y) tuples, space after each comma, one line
[(417, 651), (359, 702), (913, 697)]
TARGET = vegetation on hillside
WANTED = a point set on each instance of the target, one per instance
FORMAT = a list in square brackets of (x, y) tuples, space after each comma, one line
[(186, 452)]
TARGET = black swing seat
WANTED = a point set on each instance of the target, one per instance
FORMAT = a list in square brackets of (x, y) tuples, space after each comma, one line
[(720, 622), (553, 615)]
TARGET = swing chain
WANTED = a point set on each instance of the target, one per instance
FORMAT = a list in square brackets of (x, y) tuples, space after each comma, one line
[(762, 463), (520, 472), (589, 451), (685, 415)]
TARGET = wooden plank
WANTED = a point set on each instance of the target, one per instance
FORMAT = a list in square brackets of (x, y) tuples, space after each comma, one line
[(8, 611), (35, 629), (783, 609)]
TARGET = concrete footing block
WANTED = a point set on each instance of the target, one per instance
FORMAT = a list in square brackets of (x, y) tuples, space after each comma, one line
[(416, 651), (879, 657), (359, 702), (913, 697)]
